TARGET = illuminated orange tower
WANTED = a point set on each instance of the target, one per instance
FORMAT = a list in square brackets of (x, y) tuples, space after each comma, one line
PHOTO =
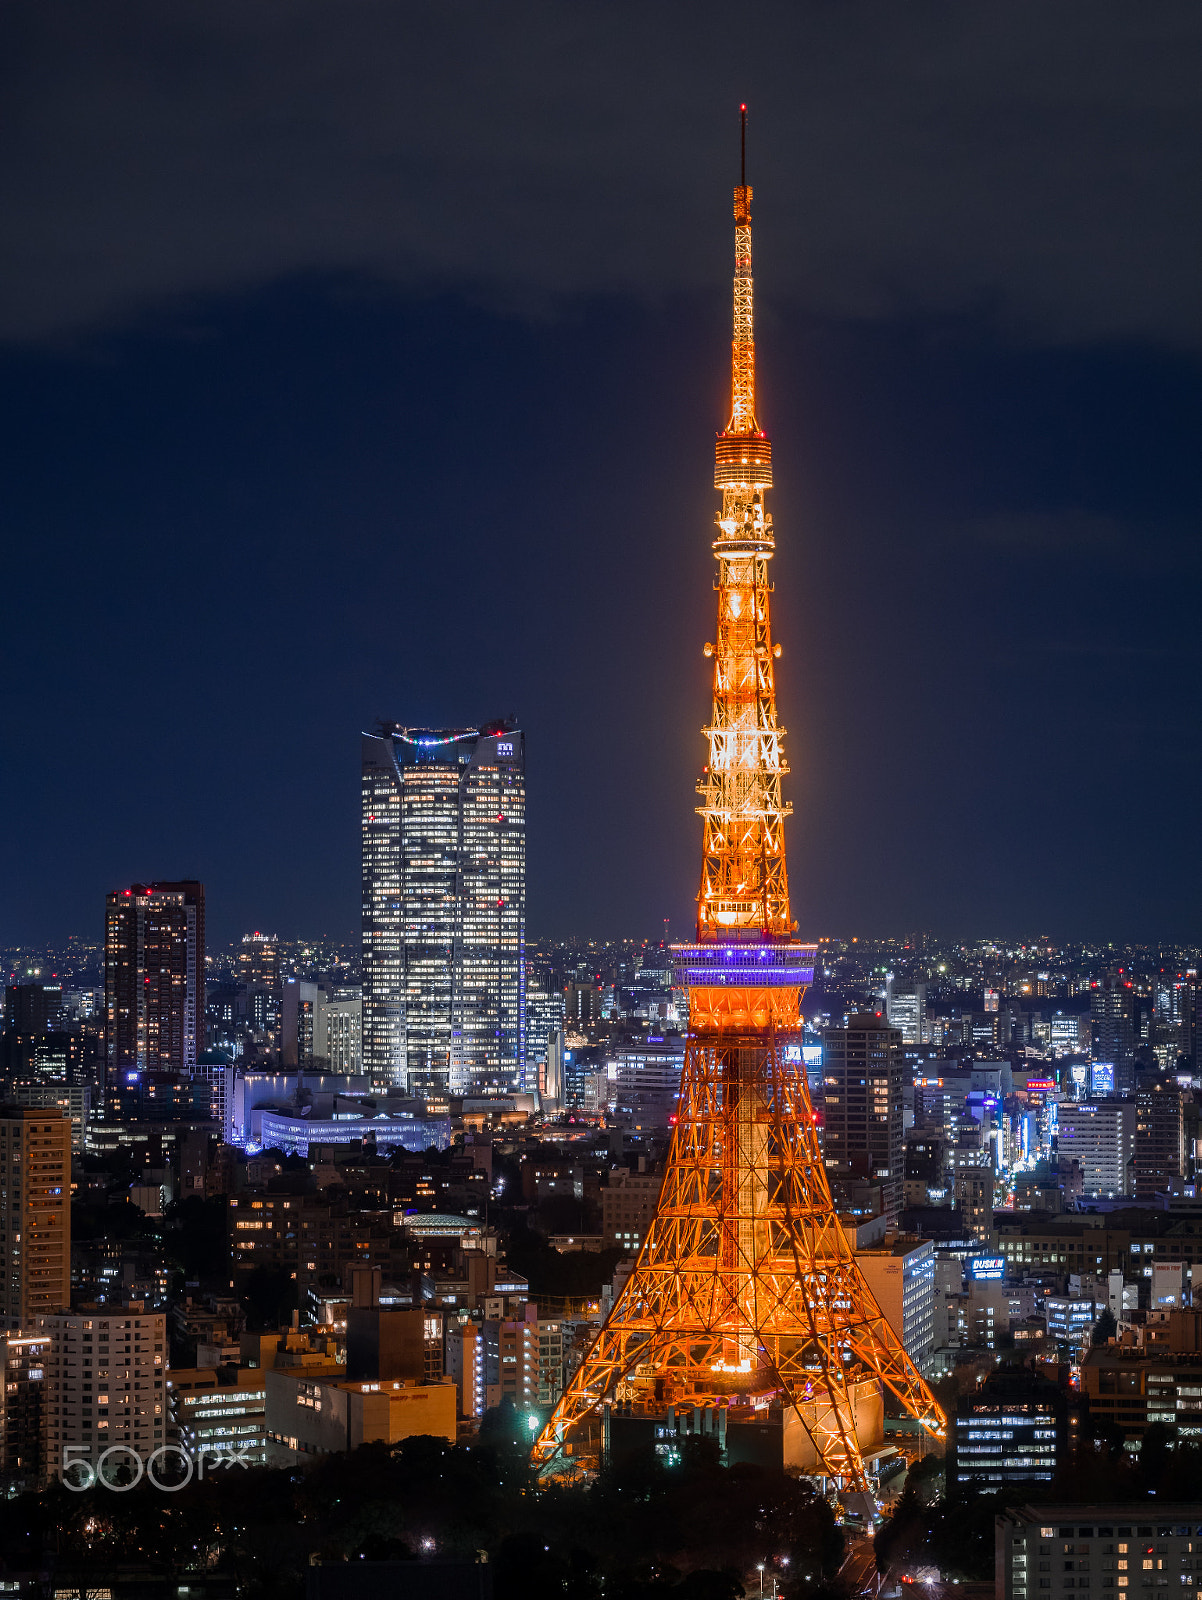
[(746, 1296)]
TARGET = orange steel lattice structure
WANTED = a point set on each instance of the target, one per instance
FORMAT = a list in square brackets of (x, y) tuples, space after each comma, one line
[(746, 1291)]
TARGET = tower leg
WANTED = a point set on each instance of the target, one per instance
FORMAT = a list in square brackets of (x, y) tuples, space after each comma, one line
[(746, 1284)]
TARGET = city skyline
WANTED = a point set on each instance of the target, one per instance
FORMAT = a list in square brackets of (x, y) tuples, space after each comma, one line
[(605, 1203)]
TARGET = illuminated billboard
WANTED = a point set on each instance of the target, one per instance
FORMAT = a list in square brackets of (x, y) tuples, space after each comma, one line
[(1101, 1078), (987, 1269)]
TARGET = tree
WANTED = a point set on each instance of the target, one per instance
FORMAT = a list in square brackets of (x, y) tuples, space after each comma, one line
[(1104, 1328), (270, 1299), (1154, 1452)]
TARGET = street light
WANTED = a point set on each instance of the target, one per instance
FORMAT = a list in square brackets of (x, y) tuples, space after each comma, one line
[(760, 1570)]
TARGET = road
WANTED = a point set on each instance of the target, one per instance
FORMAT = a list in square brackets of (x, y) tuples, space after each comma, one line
[(858, 1572)]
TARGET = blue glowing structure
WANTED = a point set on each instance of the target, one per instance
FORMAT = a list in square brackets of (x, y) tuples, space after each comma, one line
[(741, 966)]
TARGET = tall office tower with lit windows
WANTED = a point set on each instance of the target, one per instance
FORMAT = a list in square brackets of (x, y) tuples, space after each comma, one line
[(154, 978), (444, 908), (864, 1145), (1112, 1013)]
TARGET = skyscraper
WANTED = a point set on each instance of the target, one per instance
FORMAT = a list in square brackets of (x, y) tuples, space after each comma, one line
[(864, 1141), (154, 978), (1159, 1139), (444, 907), (35, 1213), (1113, 1013)]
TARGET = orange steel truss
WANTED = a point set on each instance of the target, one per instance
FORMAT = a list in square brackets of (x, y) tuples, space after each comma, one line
[(746, 1292)]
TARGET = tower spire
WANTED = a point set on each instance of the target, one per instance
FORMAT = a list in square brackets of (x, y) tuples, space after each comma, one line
[(742, 370), (744, 886)]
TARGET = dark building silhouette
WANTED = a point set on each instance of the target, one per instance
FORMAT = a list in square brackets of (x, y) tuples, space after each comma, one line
[(1159, 1138)]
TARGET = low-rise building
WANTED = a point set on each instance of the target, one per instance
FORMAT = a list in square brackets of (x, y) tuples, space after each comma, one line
[(219, 1419), (1012, 1430), (319, 1416), (1069, 1321), (522, 1360), (1161, 1381), (628, 1205)]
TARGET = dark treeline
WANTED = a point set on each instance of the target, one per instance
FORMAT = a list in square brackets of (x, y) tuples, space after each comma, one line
[(641, 1530)]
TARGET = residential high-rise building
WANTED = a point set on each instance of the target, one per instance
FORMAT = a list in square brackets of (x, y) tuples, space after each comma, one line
[(973, 1189), (259, 960), (154, 978), (35, 1214), (1031, 1541), (339, 1038), (300, 1004), (259, 970), (444, 907), (863, 1141), (107, 1366), (22, 1439), (1159, 1138)]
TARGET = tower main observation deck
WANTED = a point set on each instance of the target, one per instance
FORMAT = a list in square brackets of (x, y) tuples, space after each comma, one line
[(746, 1298)]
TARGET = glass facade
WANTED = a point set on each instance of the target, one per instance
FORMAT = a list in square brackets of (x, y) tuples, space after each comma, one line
[(444, 908)]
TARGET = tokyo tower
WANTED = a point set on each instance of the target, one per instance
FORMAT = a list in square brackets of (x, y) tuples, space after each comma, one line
[(746, 1300)]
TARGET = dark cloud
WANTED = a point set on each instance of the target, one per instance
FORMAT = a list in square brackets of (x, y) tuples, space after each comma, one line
[(1036, 161)]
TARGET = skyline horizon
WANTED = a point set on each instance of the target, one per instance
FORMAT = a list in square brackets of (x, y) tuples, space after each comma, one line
[(259, 507)]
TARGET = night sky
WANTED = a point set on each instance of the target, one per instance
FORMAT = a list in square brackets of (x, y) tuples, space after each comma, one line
[(364, 359)]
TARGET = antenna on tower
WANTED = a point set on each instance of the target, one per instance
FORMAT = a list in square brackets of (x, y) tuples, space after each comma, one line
[(743, 145)]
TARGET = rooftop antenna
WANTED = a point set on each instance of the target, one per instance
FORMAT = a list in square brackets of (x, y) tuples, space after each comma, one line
[(743, 145)]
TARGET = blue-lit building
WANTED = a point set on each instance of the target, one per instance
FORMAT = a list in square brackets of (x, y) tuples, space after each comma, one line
[(1070, 1321), (1012, 1430), (294, 1134)]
